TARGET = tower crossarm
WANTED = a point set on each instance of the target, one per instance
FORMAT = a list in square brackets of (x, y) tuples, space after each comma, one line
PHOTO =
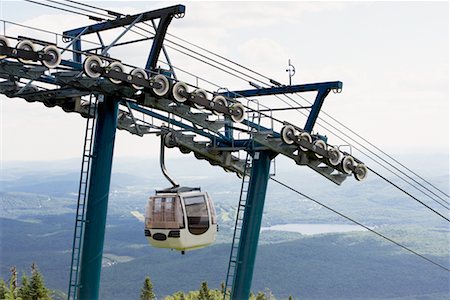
[(322, 89)]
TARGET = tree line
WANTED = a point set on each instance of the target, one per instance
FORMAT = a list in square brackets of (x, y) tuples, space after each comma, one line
[(30, 288), (33, 288), (203, 293)]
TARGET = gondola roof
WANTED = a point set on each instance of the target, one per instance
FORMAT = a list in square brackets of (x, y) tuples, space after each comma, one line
[(178, 190)]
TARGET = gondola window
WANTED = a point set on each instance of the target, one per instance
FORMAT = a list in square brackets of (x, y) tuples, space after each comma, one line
[(197, 214)]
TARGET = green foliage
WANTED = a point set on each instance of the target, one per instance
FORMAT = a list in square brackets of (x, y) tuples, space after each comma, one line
[(204, 293), (33, 289), (11, 293), (215, 294), (3, 289), (24, 291), (147, 290), (176, 296), (37, 288), (267, 295), (261, 296)]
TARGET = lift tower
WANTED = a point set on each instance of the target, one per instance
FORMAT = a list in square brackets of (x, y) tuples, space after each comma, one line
[(104, 136), (45, 76)]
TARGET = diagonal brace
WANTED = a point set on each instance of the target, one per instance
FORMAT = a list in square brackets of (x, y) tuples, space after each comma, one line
[(315, 109)]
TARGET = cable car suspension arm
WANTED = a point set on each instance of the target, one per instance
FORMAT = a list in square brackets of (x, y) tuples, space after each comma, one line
[(163, 165)]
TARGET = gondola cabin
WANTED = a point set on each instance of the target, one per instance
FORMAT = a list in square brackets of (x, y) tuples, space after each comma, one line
[(181, 219)]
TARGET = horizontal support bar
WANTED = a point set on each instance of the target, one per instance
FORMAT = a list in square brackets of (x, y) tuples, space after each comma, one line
[(155, 14), (287, 89), (244, 144)]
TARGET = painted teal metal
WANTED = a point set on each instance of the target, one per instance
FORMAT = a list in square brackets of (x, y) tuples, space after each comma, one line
[(322, 88), (315, 109), (97, 205), (251, 225), (285, 89), (77, 51)]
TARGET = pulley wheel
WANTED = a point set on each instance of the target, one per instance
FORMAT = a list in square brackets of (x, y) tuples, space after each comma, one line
[(5, 43), (240, 109), (226, 170), (25, 45), (184, 150), (319, 144), (170, 140), (360, 172), (165, 86), (305, 137), (288, 134), (50, 102), (90, 63), (334, 156), (348, 164), (138, 72), (219, 100), (202, 94), (178, 91), (55, 55), (118, 67)]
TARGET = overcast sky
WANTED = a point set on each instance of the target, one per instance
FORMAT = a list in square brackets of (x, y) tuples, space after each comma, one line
[(393, 58)]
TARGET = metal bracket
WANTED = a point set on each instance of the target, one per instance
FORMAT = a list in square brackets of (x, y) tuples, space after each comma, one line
[(24, 54)]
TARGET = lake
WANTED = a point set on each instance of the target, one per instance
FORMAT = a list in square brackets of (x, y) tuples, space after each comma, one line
[(310, 229)]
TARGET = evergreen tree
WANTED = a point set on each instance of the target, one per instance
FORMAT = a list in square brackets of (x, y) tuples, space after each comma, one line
[(204, 293), (261, 296), (177, 296), (11, 293), (290, 297), (24, 291), (268, 294), (147, 290), (38, 291), (3, 289)]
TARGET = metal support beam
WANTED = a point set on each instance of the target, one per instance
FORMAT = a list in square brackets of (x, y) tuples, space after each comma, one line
[(322, 88), (311, 87), (314, 113), (228, 128), (97, 205), (105, 50), (77, 51), (127, 20), (166, 55), (158, 41), (251, 225)]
